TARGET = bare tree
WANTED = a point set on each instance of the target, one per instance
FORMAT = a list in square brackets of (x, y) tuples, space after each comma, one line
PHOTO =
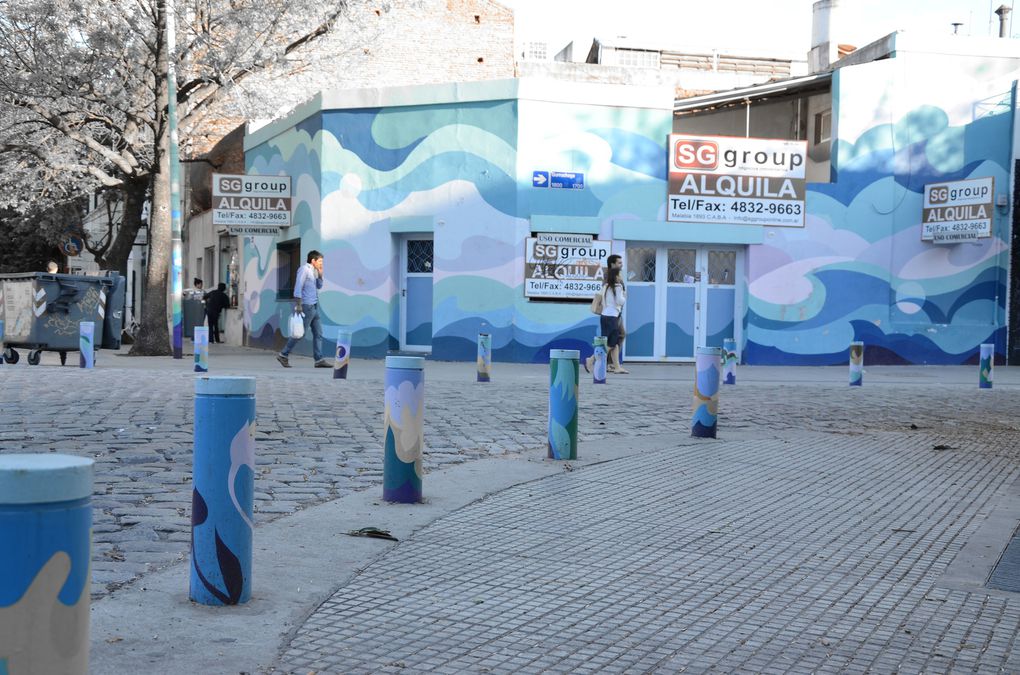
[(83, 101)]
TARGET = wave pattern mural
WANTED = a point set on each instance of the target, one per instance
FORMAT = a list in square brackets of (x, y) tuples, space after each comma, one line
[(456, 172), (859, 271), (460, 174)]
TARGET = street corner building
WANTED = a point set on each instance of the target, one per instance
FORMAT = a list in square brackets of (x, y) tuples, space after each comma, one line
[(876, 207)]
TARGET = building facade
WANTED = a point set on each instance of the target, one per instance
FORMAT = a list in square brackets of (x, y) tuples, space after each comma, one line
[(429, 203)]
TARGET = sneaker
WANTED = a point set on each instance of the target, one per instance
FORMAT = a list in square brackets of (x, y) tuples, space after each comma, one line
[(284, 361), (323, 363)]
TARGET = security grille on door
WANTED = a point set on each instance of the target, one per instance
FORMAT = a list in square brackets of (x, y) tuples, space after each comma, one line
[(720, 267), (641, 264), (683, 265), (419, 256)]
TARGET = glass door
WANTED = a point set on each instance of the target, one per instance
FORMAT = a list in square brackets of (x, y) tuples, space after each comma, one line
[(680, 297)]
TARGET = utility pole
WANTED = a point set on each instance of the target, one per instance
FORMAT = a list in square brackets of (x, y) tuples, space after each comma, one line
[(175, 179)]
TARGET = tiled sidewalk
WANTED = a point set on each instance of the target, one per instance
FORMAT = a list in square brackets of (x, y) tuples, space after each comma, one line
[(810, 552)]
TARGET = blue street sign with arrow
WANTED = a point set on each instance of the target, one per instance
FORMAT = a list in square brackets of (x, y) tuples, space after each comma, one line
[(568, 180)]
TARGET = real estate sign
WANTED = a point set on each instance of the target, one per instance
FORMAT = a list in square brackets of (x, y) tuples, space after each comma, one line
[(564, 266), (250, 205), (729, 179), (957, 211)]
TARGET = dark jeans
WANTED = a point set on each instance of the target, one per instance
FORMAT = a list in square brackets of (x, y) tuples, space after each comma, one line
[(214, 327), (312, 324)]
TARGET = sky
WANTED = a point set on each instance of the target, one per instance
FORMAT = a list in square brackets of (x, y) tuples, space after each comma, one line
[(750, 24)]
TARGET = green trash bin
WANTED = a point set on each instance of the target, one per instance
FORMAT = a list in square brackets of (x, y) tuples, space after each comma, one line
[(41, 312)]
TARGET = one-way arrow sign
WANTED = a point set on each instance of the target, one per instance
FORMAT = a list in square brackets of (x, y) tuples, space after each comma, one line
[(540, 179)]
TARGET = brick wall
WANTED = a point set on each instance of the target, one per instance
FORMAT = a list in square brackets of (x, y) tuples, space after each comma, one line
[(384, 44)]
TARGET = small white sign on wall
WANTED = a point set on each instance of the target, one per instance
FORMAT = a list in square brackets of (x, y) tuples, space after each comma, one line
[(262, 202), (958, 211), (565, 266)]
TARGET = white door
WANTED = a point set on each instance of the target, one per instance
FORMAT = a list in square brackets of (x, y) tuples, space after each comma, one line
[(680, 297), (416, 293)]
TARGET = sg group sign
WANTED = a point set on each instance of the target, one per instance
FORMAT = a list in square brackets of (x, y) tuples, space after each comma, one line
[(564, 266), (728, 179), (957, 211), (251, 204)]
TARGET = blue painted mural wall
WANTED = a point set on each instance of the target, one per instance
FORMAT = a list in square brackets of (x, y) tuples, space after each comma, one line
[(462, 173), (859, 270)]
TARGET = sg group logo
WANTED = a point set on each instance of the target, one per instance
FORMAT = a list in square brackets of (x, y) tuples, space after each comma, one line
[(694, 154)]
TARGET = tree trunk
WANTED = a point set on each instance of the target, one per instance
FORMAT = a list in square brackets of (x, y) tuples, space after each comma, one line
[(153, 337), (116, 257)]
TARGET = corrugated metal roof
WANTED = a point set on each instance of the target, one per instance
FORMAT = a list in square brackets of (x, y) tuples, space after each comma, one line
[(750, 93)]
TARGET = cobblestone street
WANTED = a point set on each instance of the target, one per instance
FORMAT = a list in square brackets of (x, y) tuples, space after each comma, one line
[(812, 536), (318, 439)]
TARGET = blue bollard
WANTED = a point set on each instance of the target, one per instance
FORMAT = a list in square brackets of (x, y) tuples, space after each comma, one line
[(2, 348), (86, 344), (706, 392), (201, 344), (985, 366), (222, 502), (404, 429), (45, 536), (563, 385), (343, 354), (484, 360), (598, 364), (729, 361), (856, 364)]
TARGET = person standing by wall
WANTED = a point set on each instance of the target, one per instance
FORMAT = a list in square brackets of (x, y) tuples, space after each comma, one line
[(615, 292), (215, 302), (306, 301)]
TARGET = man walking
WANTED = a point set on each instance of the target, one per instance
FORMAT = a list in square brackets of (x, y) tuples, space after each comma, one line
[(215, 302), (306, 300)]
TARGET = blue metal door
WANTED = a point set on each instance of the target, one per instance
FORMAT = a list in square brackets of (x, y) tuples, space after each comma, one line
[(416, 294)]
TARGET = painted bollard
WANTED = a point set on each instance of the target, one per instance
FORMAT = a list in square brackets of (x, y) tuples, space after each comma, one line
[(985, 366), (201, 342), (222, 498), (598, 364), (45, 532), (86, 344), (856, 364), (2, 348), (706, 392), (404, 429), (563, 385), (343, 354), (730, 359), (484, 359)]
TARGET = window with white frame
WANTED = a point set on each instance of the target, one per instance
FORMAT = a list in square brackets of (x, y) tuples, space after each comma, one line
[(823, 126), (637, 58), (536, 51)]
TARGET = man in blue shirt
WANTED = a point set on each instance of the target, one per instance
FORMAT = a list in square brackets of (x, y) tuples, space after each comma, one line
[(306, 301)]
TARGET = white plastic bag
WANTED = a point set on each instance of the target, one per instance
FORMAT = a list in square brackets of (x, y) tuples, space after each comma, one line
[(297, 325)]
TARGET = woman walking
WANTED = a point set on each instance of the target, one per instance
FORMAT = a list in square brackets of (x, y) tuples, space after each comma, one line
[(614, 295)]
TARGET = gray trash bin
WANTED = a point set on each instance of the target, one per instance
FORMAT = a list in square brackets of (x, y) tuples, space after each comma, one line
[(41, 312), (193, 314)]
